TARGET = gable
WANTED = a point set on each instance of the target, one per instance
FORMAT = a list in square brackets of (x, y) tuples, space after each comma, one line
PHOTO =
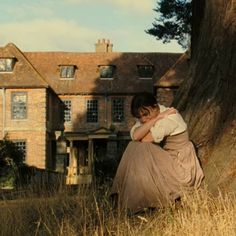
[(23, 73)]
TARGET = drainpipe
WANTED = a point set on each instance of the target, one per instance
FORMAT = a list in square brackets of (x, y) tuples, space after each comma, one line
[(106, 115), (3, 111)]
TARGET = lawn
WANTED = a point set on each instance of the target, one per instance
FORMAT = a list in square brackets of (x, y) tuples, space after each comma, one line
[(88, 211)]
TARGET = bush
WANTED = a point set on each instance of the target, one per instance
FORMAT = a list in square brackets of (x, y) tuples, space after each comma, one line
[(11, 159)]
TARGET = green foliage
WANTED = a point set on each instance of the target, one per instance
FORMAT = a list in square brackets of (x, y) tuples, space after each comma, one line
[(11, 158), (173, 21), (10, 153), (7, 177)]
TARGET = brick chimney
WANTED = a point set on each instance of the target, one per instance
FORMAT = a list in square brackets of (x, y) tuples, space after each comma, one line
[(103, 46)]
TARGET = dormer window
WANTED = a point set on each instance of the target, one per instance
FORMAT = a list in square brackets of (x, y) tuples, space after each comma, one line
[(107, 71), (145, 71), (67, 71), (7, 64)]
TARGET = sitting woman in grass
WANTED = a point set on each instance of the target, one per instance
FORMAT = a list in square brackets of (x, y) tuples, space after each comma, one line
[(150, 174)]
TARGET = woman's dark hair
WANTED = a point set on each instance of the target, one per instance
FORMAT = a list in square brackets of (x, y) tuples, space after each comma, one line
[(141, 101)]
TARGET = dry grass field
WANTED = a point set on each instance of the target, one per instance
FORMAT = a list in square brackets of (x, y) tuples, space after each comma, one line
[(88, 211)]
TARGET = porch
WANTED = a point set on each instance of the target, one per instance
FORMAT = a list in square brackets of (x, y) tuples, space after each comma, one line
[(84, 151)]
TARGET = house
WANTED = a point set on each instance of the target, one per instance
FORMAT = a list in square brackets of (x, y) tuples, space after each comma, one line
[(167, 86), (27, 108), (93, 90)]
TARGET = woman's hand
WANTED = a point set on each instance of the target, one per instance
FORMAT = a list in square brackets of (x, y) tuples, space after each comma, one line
[(167, 112)]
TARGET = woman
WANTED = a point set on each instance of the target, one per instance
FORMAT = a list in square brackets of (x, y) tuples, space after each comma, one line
[(151, 174)]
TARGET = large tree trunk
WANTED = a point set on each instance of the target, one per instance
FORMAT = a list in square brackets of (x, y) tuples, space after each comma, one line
[(207, 98)]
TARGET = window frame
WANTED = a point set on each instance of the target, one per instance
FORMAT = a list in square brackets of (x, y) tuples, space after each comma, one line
[(13, 104), (4, 67), (88, 118), (24, 149), (143, 72), (68, 75), (105, 69), (122, 109), (67, 111)]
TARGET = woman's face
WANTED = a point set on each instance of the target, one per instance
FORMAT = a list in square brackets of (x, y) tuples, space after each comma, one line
[(147, 113)]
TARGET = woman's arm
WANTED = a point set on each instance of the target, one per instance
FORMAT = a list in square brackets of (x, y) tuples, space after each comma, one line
[(142, 130), (147, 138), (142, 133)]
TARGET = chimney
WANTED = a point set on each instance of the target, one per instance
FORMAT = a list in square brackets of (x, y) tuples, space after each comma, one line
[(103, 46)]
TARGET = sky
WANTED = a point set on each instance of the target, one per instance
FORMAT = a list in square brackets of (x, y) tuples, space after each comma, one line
[(76, 25)]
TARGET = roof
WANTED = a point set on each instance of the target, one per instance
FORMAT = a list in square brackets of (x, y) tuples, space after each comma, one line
[(24, 74), (176, 73), (87, 79)]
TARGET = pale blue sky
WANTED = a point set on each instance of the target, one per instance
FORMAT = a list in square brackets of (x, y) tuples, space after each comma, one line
[(76, 25)]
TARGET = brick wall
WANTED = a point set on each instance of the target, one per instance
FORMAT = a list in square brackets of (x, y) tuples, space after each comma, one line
[(78, 108), (35, 146), (54, 116), (32, 129), (36, 110)]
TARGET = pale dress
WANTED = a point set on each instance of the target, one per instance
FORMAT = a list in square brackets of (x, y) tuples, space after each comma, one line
[(152, 176)]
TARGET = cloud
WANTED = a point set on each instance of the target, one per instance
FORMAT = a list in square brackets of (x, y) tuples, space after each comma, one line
[(144, 43), (30, 10), (62, 35), (53, 35), (138, 6), (45, 30)]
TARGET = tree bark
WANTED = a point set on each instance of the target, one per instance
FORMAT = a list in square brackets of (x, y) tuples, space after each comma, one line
[(207, 99)]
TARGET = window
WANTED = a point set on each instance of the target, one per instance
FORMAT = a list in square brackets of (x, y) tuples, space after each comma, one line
[(67, 72), (21, 145), (92, 110), (107, 72), (7, 64), (118, 110), (145, 71), (67, 110), (19, 105)]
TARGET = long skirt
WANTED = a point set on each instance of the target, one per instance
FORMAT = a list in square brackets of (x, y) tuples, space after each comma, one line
[(152, 176)]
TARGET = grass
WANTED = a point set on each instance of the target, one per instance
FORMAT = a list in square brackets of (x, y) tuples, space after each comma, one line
[(88, 211)]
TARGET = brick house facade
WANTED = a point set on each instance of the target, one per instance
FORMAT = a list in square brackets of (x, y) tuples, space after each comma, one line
[(26, 112), (91, 91)]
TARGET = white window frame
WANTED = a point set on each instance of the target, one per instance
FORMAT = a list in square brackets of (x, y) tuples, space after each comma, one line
[(67, 110), (67, 72), (7, 65), (119, 109), (17, 105), (92, 108), (108, 75)]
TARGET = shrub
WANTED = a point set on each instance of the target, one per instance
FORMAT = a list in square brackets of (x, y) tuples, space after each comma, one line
[(11, 159)]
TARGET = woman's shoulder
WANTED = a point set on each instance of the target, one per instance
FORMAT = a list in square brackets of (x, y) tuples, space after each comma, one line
[(162, 107), (176, 117)]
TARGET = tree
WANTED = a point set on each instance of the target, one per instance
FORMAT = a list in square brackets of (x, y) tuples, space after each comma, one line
[(11, 159), (207, 97), (173, 22)]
